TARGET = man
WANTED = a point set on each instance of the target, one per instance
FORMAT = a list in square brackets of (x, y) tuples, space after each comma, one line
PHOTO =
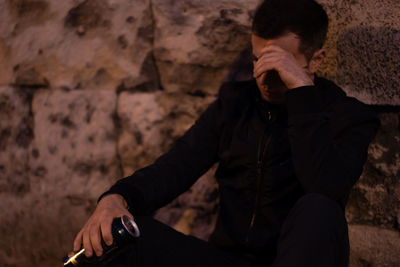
[(290, 146)]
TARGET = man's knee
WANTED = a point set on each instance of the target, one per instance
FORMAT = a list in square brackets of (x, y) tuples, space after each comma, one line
[(317, 211), (314, 234)]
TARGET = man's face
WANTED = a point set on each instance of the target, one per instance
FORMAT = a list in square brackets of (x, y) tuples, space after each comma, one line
[(270, 84)]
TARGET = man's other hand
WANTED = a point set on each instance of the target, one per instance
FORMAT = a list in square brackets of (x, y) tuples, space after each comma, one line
[(99, 225), (291, 73)]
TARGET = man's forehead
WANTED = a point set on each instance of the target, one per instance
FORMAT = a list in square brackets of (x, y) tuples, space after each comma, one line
[(288, 41)]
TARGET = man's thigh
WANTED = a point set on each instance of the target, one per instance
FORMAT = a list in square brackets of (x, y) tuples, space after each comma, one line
[(160, 245)]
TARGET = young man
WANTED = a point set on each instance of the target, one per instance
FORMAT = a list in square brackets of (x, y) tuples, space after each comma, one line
[(290, 146)]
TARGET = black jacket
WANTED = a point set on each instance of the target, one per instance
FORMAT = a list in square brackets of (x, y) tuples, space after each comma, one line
[(269, 156)]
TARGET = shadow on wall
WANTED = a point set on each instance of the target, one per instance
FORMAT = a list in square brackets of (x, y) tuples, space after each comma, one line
[(369, 64), (242, 68)]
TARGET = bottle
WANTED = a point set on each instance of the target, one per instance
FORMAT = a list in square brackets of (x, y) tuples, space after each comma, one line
[(124, 231)]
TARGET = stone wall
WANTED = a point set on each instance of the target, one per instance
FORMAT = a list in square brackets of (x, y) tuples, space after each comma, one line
[(91, 90)]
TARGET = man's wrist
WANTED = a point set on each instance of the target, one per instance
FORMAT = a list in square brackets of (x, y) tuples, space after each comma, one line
[(302, 84), (118, 197), (302, 81)]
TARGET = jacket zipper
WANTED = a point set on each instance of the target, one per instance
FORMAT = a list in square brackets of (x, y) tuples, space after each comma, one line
[(260, 156)]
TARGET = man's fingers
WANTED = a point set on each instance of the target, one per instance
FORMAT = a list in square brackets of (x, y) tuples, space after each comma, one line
[(78, 241), (87, 244), (106, 232), (95, 239), (269, 56), (99, 224), (265, 66)]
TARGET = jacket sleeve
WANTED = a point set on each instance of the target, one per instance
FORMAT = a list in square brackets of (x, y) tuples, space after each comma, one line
[(329, 144), (175, 171)]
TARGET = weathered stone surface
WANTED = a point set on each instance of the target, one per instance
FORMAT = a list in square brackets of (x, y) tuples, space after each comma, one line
[(194, 212), (30, 78), (81, 44), (349, 17), (375, 200), (73, 160), (5, 67), (369, 60), (141, 118), (150, 122), (373, 246), (29, 12), (74, 150), (196, 41), (182, 111), (38, 229), (15, 136)]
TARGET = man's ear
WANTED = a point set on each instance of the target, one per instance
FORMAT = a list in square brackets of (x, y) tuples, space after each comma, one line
[(316, 60)]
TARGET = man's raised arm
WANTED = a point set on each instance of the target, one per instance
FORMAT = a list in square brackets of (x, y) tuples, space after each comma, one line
[(329, 143)]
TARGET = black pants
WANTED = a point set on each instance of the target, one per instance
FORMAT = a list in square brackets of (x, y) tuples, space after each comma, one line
[(313, 234)]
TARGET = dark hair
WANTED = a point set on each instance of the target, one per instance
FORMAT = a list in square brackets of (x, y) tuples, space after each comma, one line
[(306, 18)]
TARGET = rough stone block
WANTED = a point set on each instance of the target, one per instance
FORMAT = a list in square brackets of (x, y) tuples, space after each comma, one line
[(140, 117), (369, 64), (182, 111), (5, 67), (150, 122), (15, 136), (39, 229), (375, 199), (84, 44), (196, 41), (73, 159), (349, 17), (373, 246), (74, 151)]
